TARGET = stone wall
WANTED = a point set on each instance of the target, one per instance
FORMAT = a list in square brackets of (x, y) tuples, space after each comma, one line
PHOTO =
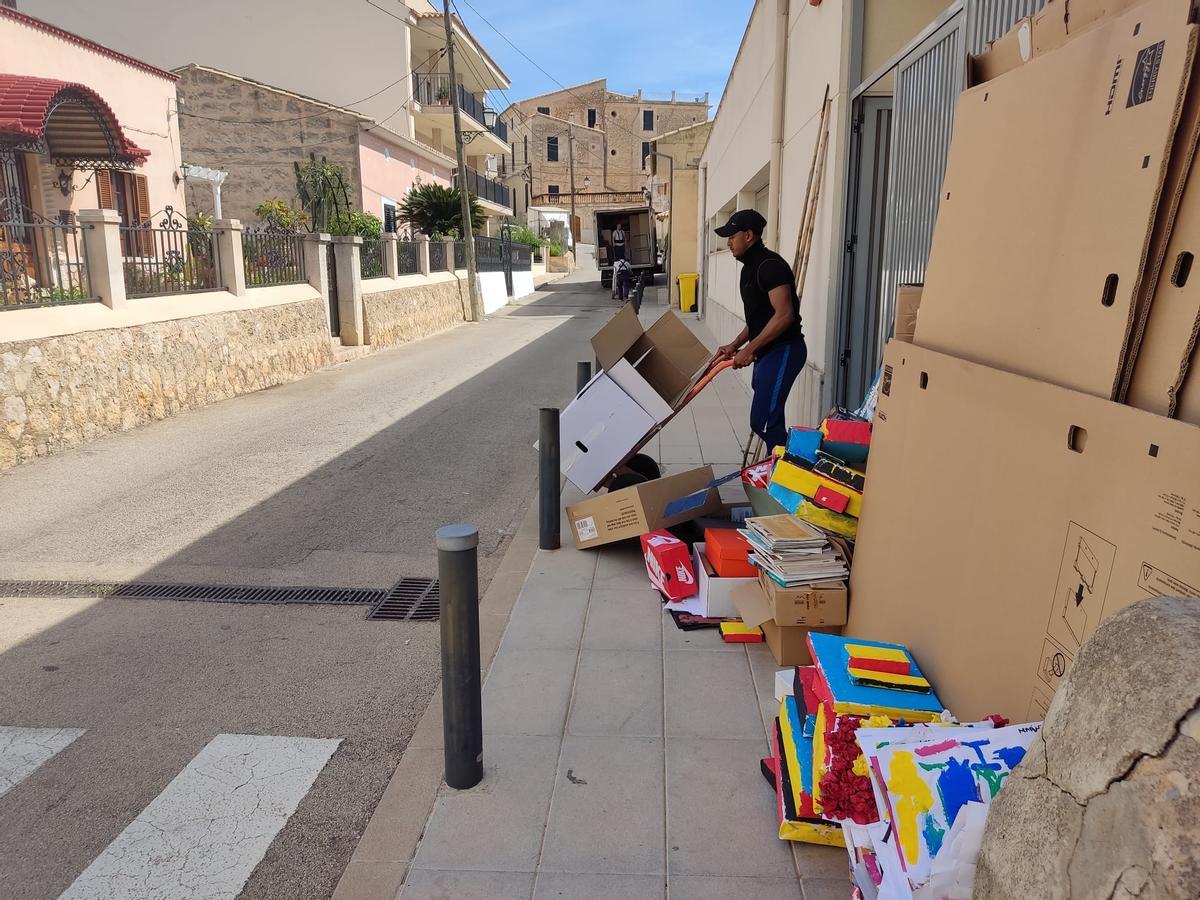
[(59, 392), (412, 312), (258, 157)]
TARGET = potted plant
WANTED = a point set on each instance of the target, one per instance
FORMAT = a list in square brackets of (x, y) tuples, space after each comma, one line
[(443, 95)]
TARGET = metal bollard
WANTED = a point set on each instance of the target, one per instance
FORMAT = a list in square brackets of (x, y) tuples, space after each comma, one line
[(462, 705), (583, 374), (549, 481)]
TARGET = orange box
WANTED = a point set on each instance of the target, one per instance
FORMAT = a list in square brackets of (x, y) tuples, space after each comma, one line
[(728, 552)]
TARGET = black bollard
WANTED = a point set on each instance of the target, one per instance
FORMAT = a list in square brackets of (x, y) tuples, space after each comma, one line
[(462, 706), (549, 481), (583, 374)]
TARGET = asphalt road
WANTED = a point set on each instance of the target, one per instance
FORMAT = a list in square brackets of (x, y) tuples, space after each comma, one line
[(340, 479)]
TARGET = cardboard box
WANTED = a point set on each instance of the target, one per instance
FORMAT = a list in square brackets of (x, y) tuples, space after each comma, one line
[(634, 511), (669, 565), (908, 303), (598, 431), (815, 605), (788, 643), (1187, 408), (1050, 199), (729, 553), (993, 549), (1002, 55), (718, 596), (664, 359)]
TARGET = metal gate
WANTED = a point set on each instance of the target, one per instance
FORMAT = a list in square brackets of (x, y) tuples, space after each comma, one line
[(335, 321), (885, 251), (506, 254)]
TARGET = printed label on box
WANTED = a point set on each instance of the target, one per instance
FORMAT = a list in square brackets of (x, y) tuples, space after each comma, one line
[(1039, 705), (1145, 75), (1157, 583), (1082, 587), (586, 529), (1053, 664)]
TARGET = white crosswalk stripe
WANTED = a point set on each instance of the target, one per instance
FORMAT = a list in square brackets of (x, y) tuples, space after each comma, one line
[(204, 834), (23, 750)]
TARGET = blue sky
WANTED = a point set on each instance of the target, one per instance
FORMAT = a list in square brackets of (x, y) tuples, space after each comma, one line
[(656, 45)]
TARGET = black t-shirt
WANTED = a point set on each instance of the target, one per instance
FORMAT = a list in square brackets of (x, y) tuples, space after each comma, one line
[(763, 270)]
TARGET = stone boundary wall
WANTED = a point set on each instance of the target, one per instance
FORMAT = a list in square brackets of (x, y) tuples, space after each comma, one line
[(58, 392), (405, 314)]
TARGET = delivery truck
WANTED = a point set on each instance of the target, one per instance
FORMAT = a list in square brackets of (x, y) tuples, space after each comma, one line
[(641, 245)]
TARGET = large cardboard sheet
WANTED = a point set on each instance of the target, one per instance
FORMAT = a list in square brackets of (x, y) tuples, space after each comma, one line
[(1050, 196), (1005, 518)]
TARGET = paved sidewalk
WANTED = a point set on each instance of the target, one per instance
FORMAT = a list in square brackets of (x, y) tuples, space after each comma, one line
[(621, 754)]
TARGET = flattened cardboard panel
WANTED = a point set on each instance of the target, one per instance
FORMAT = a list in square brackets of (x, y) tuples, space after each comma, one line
[(1165, 332), (1049, 199), (1005, 518), (1187, 409)]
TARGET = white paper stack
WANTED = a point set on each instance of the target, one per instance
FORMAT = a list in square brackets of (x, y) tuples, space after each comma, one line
[(792, 552)]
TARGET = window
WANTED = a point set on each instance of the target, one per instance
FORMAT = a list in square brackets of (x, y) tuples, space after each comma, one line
[(647, 120), (552, 149), (552, 190), (645, 152), (389, 216), (591, 118), (129, 195), (544, 110)]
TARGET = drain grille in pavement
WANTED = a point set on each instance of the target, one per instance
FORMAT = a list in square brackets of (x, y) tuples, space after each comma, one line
[(412, 599)]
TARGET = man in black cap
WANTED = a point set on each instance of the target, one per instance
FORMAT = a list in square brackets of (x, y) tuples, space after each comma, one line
[(772, 339)]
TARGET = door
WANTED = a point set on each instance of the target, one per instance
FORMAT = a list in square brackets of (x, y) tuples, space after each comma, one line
[(18, 261), (869, 153), (335, 321)]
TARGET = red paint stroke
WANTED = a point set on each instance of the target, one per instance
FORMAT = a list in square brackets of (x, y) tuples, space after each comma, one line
[(936, 748), (894, 666)]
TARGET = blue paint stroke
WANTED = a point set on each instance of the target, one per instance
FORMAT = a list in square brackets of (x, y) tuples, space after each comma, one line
[(933, 836), (976, 745), (956, 786), (1010, 756)]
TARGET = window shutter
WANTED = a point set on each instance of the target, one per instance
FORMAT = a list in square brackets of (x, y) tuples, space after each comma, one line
[(104, 189), (142, 193)]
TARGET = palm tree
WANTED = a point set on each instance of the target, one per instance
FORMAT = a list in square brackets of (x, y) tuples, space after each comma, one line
[(434, 209)]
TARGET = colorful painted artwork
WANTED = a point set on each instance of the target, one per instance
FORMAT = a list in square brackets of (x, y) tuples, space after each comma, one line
[(927, 783)]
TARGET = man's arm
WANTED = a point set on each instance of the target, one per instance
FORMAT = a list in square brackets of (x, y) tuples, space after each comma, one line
[(728, 350), (784, 316)]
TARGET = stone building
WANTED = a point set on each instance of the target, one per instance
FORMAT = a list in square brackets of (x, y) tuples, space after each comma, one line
[(609, 135), (674, 194), (255, 132)]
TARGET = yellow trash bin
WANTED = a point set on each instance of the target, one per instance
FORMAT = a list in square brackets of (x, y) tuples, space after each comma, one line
[(687, 291)]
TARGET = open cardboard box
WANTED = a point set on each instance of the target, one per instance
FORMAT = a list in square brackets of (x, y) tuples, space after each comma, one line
[(1057, 197), (812, 605), (788, 643), (655, 365), (1005, 518), (597, 432), (634, 511)]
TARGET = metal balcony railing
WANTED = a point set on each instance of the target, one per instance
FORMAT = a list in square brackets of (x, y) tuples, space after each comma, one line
[(433, 89), (487, 189)]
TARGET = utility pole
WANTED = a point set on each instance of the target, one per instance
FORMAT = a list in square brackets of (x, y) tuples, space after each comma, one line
[(571, 160), (464, 193)]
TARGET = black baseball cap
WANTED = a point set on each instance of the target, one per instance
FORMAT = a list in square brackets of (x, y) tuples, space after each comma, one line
[(743, 220)]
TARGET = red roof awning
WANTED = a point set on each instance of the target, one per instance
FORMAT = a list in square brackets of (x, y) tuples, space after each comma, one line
[(68, 121)]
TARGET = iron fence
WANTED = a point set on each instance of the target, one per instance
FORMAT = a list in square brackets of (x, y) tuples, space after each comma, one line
[(370, 259), (42, 264), (172, 258), (437, 256), (489, 254), (408, 257), (488, 189), (522, 257), (460, 254), (273, 258)]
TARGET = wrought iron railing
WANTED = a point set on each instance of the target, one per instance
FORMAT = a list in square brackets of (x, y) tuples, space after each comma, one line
[(433, 89), (489, 189), (489, 254), (42, 263), (522, 257), (170, 258), (273, 258), (408, 257), (460, 254), (370, 258), (437, 256)]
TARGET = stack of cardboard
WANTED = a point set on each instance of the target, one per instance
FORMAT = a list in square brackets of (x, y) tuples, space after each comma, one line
[(819, 475), (1015, 501)]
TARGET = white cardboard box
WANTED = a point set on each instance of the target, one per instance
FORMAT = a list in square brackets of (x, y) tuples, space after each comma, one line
[(632, 383), (716, 597), (598, 430)]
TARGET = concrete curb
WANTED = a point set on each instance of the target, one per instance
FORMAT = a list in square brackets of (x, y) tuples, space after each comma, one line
[(385, 851)]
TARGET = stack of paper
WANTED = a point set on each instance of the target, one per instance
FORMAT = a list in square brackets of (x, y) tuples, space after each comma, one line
[(793, 553)]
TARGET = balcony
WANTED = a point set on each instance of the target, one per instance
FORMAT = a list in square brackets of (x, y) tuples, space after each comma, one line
[(489, 191), (432, 92)]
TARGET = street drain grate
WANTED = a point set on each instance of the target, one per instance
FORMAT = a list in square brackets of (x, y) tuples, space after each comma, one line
[(208, 593), (412, 599)]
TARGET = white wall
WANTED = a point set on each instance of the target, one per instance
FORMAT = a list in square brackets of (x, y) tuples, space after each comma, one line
[(737, 161), (493, 290), (337, 53), (522, 283)]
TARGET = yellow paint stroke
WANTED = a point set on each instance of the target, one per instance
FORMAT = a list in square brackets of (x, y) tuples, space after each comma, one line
[(862, 651), (915, 681), (819, 766), (913, 799)]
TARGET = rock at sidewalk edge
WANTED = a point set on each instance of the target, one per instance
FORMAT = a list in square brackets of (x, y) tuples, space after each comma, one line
[(1108, 802)]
